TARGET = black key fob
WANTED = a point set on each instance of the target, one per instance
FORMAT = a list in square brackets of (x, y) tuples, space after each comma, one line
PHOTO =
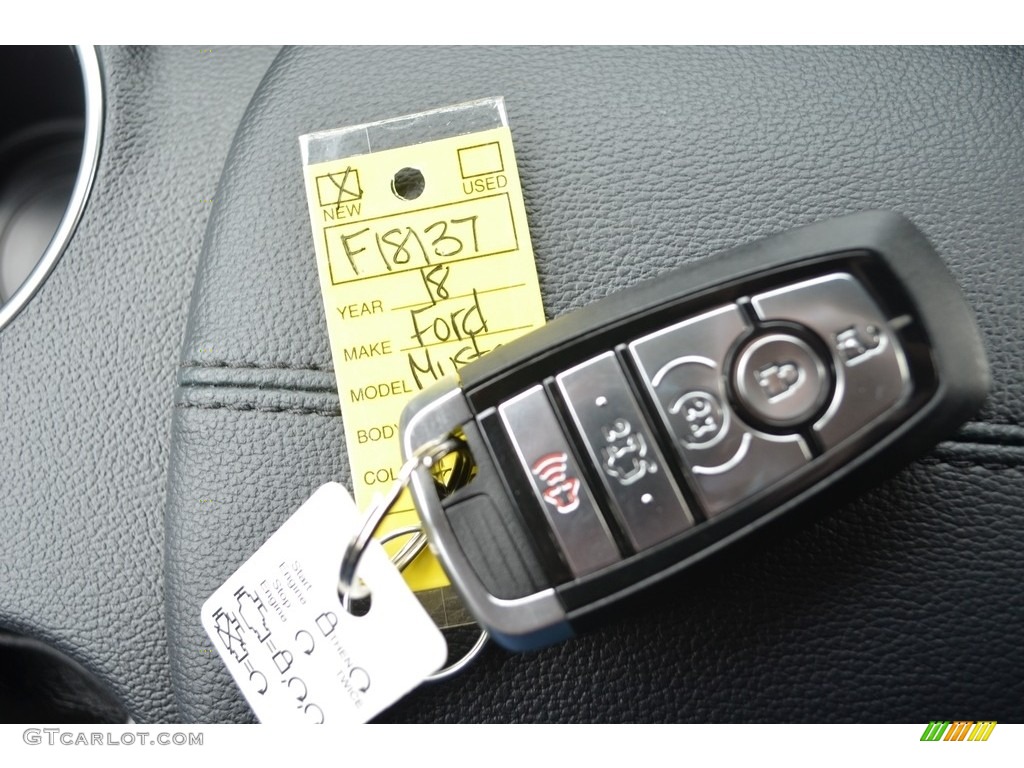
[(623, 442)]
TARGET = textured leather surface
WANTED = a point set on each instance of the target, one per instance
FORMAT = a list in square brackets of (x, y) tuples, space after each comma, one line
[(903, 605), (87, 372)]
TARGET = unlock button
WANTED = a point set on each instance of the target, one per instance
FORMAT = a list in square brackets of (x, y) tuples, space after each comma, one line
[(871, 372)]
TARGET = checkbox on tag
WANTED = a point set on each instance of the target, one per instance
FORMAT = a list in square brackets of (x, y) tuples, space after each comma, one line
[(480, 160), (338, 188)]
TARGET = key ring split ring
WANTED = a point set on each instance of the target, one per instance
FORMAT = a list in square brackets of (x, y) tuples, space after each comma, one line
[(426, 456)]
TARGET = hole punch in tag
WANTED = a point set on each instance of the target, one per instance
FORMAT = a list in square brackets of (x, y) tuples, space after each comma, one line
[(295, 653), (425, 264)]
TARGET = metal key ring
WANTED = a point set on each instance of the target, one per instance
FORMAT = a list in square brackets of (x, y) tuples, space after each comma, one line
[(426, 456)]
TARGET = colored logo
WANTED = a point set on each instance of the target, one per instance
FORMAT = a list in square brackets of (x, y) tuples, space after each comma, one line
[(958, 731), (562, 491)]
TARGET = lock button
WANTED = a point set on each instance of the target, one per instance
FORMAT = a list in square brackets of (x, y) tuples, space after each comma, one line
[(780, 380)]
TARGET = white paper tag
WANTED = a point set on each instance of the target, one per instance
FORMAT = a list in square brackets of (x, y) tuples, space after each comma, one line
[(296, 654)]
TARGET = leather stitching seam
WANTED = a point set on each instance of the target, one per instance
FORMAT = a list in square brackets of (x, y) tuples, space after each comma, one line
[(242, 365), (296, 409)]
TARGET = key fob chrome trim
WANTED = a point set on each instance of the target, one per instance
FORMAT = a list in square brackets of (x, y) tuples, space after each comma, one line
[(521, 623), (782, 375)]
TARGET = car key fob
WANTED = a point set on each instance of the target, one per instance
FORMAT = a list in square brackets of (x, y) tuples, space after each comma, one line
[(625, 441)]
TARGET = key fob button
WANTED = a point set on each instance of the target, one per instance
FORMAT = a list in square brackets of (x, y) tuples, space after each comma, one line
[(872, 376), (558, 485), (642, 493), (684, 369), (780, 380), (759, 460)]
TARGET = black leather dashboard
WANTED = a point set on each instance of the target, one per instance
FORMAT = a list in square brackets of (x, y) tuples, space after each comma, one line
[(126, 489), (87, 371)]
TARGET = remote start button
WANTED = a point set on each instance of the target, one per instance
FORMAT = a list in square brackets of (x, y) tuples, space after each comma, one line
[(685, 371)]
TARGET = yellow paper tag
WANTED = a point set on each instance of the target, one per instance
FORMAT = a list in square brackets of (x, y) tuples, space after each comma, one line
[(414, 289)]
